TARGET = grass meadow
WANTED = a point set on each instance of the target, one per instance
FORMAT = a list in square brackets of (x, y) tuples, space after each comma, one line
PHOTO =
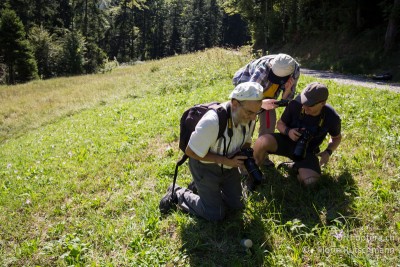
[(84, 162)]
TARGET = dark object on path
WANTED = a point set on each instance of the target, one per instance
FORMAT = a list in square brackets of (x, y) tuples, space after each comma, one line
[(382, 77)]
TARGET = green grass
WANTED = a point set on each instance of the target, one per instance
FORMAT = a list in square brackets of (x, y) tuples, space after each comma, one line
[(81, 178)]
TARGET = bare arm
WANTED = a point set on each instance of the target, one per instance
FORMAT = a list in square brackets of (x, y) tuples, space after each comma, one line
[(334, 142), (236, 161), (293, 133), (268, 104)]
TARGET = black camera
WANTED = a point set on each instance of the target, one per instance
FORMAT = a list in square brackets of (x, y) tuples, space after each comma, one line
[(251, 165), (282, 103), (300, 149)]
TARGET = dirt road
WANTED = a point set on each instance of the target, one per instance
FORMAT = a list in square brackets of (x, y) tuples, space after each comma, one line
[(352, 79)]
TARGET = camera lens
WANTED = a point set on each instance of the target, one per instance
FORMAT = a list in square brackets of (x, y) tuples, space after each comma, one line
[(251, 166), (300, 149)]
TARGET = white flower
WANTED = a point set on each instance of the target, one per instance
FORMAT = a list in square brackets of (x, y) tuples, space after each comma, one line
[(339, 235)]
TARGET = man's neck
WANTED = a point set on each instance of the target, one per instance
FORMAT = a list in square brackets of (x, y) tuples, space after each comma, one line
[(317, 113)]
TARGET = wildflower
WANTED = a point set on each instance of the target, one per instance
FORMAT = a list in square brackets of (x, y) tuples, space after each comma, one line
[(339, 235)]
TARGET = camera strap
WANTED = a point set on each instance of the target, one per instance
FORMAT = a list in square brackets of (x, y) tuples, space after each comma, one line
[(230, 130), (321, 117), (230, 133)]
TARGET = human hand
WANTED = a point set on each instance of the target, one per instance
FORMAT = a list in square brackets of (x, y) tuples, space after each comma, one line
[(324, 155), (237, 161), (295, 134), (288, 88), (268, 104), (289, 84)]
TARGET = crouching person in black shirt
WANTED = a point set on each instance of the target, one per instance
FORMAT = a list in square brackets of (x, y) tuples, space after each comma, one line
[(302, 128)]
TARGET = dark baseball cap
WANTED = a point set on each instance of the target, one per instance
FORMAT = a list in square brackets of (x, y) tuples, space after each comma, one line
[(314, 93)]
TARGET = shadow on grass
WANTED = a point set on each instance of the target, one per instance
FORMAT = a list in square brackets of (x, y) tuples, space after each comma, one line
[(279, 200), (218, 244), (330, 202)]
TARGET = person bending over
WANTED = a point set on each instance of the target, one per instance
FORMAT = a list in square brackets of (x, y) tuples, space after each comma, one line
[(278, 74)]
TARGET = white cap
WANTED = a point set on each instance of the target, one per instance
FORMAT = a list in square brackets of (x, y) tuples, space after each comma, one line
[(247, 91), (283, 65)]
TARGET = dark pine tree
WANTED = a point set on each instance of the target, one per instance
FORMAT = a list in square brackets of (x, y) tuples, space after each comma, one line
[(15, 49)]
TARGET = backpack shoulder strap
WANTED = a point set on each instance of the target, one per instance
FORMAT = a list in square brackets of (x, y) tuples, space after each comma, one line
[(224, 118)]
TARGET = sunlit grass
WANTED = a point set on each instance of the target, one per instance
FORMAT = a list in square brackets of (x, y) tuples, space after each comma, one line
[(28, 106), (81, 179)]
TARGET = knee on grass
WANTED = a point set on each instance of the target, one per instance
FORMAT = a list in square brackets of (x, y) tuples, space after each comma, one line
[(215, 216), (308, 181)]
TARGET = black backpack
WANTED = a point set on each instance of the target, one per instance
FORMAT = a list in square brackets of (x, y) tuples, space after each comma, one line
[(188, 123), (192, 116)]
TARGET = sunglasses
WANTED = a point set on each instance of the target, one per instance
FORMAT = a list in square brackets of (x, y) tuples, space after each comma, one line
[(314, 104), (249, 112)]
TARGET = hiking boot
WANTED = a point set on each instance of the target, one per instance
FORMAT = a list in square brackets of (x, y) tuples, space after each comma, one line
[(169, 201), (288, 167), (268, 163), (192, 187)]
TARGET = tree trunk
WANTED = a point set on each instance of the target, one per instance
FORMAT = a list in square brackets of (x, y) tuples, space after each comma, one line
[(85, 20), (265, 46), (358, 16), (393, 24)]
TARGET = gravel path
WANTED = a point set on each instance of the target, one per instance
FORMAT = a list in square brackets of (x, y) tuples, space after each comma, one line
[(352, 79)]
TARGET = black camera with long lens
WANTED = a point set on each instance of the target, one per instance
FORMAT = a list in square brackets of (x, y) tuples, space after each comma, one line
[(251, 165), (282, 103), (300, 149)]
